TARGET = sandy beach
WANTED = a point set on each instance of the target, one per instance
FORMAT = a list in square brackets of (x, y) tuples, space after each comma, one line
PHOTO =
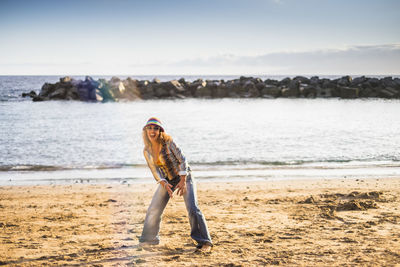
[(341, 222)]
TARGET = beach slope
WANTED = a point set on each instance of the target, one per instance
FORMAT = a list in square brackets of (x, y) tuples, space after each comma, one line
[(308, 222)]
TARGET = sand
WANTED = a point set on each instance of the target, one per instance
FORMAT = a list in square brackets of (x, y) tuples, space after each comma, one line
[(310, 222)]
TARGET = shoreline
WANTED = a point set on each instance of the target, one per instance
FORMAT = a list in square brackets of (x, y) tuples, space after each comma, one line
[(305, 222), (217, 173)]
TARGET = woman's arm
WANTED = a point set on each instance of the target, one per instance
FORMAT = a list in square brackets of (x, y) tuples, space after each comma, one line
[(156, 173), (183, 166)]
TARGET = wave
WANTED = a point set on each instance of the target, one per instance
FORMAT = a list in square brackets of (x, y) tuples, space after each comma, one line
[(267, 163), (298, 162), (243, 164), (64, 168)]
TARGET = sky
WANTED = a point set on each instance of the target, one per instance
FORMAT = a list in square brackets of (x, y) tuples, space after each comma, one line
[(203, 37)]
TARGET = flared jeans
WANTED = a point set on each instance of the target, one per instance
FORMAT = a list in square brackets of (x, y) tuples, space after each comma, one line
[(151, 228)]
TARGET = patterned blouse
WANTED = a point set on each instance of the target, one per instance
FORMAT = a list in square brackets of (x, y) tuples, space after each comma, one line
[(171, 164)]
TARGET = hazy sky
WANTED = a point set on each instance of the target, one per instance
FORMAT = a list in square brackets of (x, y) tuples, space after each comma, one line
[(199, 37)]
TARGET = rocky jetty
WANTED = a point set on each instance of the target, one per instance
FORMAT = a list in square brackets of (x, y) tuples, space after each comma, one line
[(130, 89)]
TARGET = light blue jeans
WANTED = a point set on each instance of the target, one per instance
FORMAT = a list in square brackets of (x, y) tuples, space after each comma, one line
[(151, 228)]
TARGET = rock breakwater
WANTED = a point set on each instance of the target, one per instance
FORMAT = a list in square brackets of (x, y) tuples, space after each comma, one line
[(115, 89)]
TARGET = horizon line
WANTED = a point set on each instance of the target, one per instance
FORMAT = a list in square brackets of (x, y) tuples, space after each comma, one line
[(243, 74)]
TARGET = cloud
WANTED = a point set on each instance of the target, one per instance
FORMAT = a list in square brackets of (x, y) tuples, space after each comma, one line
[(355, 60)]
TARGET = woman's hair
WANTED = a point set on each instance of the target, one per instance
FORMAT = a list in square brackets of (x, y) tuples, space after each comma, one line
[(162, 138)]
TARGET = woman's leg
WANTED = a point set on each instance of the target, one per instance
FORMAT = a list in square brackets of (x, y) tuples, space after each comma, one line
[(152, 222), (197, 221)]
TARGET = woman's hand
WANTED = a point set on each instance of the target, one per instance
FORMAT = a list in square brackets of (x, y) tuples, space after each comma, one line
[(167, 187), (181, 186)]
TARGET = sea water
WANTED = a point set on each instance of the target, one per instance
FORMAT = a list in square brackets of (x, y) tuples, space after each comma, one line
[(223, 139)]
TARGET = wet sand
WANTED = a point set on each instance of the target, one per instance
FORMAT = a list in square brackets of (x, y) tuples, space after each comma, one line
[(310, 222)]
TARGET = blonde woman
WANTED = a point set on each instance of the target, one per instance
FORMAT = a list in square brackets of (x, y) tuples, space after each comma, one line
[(171, 171)]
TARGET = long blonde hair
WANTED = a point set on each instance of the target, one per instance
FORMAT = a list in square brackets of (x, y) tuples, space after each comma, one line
[(162, 138)]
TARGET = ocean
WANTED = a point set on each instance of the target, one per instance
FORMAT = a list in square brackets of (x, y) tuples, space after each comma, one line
[(223, 139)]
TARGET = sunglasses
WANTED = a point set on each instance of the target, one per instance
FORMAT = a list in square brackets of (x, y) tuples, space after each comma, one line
[(155, 128)]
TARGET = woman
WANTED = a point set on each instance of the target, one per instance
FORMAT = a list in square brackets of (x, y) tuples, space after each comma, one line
[(170, 169)]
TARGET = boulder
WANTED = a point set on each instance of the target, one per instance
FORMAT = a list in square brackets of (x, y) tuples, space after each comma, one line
[(64, 89), (397, 83), (271, 82), (388, 82), (325, 92), (244, 79), (46, 89), (184, 84), (257, 81), (86, 90), (239, 90), (231, 88), (182, 81), (374, 82), (222, 91), (194, 86), (302, 79), (39, 98), (59, 93), (326, 83), (285, 82), (358, 81), (104, 93), (72, 89), (72, 92), (251, 90), (117, 88), (292, 90), (99, 96), (367, 92), (349, 92), (176, 87), (203, 92), (146, 90), (168, 89), (260, 86), (65, 79), (199, 82), (388, 92), (308, 91), (188, 91), (248, 84), (315, 81), (285, 92), (31, 94), (270, 91), (161, 91), (294, 85), (344, 81), (328, 88), (156, 80), (213, 86), (143, 83), (114, 79), (132, 91)]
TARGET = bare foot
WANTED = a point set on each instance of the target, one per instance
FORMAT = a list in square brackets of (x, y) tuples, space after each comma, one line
[(206, 248), (147, 244)]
